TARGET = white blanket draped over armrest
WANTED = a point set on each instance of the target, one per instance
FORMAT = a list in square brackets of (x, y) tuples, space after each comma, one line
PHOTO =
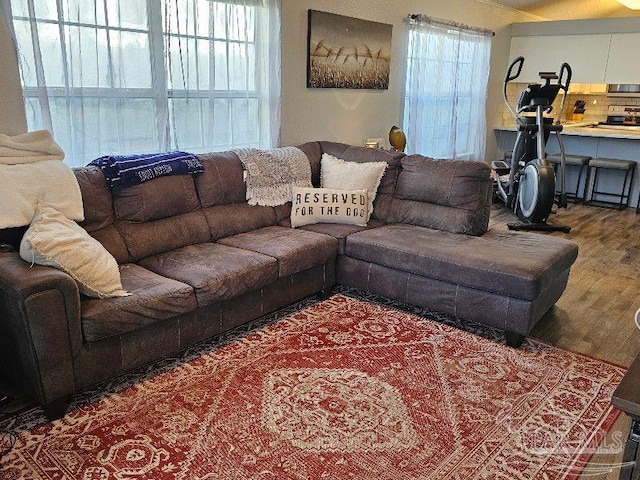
[(23, 186), (29, 147)]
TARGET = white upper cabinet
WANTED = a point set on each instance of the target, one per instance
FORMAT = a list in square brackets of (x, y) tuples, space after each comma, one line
[(623, 66), (586, 54), (601, 50)]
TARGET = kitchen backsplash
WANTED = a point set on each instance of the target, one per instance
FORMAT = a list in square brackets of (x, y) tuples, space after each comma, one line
[(595, 109)]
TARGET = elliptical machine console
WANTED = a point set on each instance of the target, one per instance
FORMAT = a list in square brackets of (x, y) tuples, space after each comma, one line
[(528, 185)]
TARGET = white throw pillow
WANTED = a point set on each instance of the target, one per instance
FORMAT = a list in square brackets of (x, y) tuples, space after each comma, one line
[(342, 175), (326, 205), (55, 241)]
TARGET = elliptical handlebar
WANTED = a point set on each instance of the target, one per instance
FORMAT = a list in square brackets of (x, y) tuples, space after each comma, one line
[(564, 84), (565, 69), (509, 77)]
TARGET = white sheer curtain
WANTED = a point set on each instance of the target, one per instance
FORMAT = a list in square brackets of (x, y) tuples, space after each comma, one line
[(446, 87), (132, 76)]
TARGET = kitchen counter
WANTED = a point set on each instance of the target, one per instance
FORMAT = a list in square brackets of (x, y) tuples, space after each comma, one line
[(587, 130), (584, 139)]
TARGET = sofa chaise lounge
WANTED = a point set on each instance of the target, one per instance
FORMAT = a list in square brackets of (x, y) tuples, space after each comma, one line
[(198, 261)]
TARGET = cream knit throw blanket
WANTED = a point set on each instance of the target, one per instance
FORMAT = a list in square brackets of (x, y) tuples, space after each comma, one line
[(271, 174), (32, 171), (29, 147)]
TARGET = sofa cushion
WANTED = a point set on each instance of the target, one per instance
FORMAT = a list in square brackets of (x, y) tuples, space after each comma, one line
[(450, 195), (158, 198), (355, 153), (338, 231), (216, 272), (314, 153), (111, 239), (517, 264), (222, 182), (453, 183), (158, 236), (160, 215), (153, 298), (295, 250), (98, 211), (96, 198), (223, 196), (226, 220)]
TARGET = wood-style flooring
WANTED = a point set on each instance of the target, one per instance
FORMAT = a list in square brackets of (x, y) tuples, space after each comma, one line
[(595, 316)]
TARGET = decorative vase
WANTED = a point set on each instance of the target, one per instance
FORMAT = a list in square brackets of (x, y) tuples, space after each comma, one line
[(397, 139)]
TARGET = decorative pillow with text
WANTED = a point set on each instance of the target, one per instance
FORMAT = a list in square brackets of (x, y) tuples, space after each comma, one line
[(343, 175), (327, 205)]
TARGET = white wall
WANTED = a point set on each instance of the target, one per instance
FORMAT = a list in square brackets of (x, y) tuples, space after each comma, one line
[(351, 116), (12, 118)]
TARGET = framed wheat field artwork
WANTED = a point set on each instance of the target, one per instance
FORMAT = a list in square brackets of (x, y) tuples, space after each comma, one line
[(346, 52)]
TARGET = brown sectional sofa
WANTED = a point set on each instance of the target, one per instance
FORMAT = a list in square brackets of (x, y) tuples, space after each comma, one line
[(199, 260)]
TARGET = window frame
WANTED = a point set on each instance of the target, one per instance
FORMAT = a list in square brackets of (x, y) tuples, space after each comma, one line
[(162, 93)]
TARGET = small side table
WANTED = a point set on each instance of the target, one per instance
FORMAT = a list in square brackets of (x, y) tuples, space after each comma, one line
[(627, 399)]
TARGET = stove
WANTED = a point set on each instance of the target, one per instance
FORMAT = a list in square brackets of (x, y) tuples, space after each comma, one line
[(622, 117)]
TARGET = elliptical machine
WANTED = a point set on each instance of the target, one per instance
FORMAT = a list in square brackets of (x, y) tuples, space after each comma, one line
[(528, 185)]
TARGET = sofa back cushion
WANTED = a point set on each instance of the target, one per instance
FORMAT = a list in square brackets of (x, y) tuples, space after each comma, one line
[(352, 153), (159, 215), (314, 153), (448, 195), (223, 197), (161, 197), (235, 218), (96, 198), (222, 182), (144, 239), (98, 212)]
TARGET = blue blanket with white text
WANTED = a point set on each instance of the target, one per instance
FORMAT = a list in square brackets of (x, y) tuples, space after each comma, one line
[(122, 171)]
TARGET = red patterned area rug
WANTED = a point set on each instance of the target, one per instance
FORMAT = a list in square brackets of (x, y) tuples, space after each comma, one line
[(341, 389)]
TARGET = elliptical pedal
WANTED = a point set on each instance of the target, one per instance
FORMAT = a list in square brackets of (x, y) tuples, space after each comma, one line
[(541, 227)]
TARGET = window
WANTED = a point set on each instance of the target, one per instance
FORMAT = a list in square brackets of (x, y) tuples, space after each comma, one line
[(447, 71), (132, 76)]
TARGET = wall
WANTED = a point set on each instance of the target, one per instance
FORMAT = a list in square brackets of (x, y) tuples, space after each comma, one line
[(351, 116), (12, 117)]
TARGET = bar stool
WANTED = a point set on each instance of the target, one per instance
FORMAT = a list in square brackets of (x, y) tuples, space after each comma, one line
[(572, 161), (596, 164)]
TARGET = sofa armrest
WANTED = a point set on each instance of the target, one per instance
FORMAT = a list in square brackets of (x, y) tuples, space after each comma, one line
[(39, 328)]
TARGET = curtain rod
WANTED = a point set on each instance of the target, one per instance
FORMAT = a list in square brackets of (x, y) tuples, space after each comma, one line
[(420, 18)]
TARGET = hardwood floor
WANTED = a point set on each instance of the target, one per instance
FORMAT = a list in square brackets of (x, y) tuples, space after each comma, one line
[(595, 316)]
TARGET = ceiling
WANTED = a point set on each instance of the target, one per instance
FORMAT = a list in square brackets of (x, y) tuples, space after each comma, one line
[(570, 9)]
